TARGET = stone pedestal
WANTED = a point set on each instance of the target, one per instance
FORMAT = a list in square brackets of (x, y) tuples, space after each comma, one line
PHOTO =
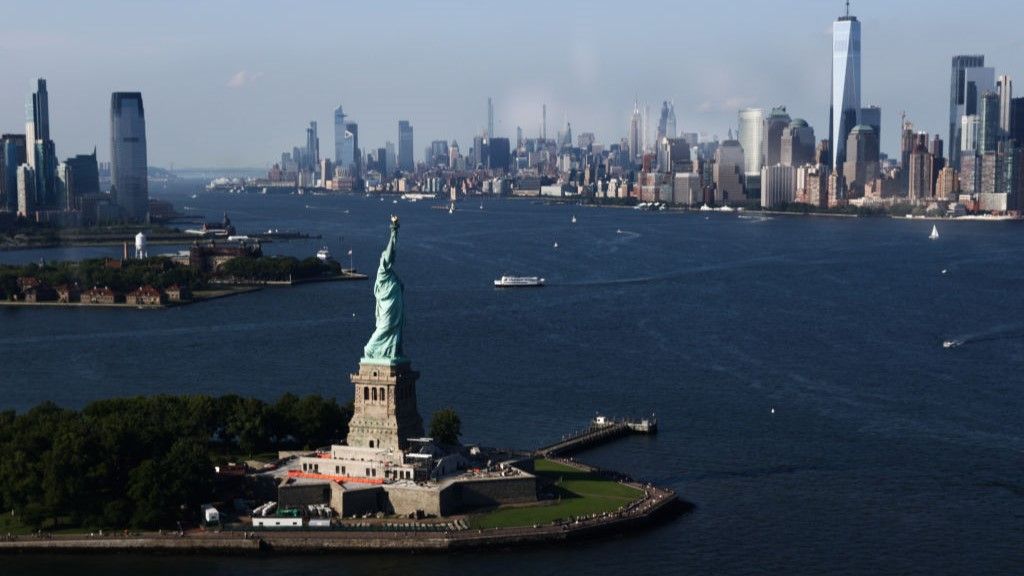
[(385, 414)]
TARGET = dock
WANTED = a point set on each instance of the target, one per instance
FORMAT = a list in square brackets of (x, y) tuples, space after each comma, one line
[(600, 431)]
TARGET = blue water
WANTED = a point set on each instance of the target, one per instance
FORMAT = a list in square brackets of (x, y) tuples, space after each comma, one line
[(886, 453)]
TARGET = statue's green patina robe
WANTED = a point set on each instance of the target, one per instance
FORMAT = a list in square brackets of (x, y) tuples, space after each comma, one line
[(386, 342)]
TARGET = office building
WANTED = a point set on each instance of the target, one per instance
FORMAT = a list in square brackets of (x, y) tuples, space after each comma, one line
[(80, 176), (751, 138), (970, 79), (26, 180), (920, 171), (728, 172), (341, 156), (988, 123), (129, 184), (872, 116), (777, 185), (797, 144), (490, 118), (861, 166), (776, 122), (845, 109), (41, 153), (635, 135), (12, 155), (406, 163), (499, 156), (1004, 87), (667, 121)]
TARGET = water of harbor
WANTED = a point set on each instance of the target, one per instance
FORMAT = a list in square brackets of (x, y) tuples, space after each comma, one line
[(886, 453)]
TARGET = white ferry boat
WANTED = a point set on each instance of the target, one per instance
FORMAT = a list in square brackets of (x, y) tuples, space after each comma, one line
[(323, 254), (519, 282)]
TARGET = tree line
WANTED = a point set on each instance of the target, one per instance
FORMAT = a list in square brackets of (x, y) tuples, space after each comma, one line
[(145, 462)]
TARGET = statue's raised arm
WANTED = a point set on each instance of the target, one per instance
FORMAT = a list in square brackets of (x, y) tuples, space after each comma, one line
[(385, 344), (387, 257)]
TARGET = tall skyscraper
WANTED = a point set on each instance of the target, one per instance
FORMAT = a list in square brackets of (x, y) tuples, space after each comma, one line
[(776, 122), (544, 122), (970, 79), (37, 118), (751, 138), (405, 154), (128, 165), (312, 159), (41, 152), (988, 123), (844, 113), (666, 121), (12, 155), (490, 118), (635, 134), (339, 138), (1004, 87), (352, 128)]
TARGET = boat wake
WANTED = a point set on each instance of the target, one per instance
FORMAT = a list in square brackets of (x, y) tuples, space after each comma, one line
[(1011, 332)]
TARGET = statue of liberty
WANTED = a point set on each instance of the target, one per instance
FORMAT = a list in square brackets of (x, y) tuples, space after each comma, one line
[(385, 345)]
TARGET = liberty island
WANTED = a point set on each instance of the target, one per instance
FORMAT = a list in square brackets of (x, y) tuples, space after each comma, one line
[(390, 487)]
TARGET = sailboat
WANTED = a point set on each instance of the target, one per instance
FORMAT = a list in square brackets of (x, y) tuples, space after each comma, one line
[(573, 218), (935, 233), (451, 208)]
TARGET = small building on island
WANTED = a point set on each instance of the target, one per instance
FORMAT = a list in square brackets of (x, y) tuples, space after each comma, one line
[(101, 296), (178, 293), (146, 296)]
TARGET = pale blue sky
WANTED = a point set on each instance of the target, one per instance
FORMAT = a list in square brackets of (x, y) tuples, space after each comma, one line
[(435, 63)]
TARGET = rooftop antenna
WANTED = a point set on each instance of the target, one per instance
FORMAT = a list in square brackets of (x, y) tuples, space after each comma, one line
[(847, 8)]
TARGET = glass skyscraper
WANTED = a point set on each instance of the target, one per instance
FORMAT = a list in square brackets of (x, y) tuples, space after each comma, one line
[(405, 158), (751, 138), (958, 100), (845, 110), (128, 165)]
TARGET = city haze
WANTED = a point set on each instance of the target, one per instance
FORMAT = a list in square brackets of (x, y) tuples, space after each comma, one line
[(231, 84)]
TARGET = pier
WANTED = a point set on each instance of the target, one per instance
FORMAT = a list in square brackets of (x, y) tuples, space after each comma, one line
[(600, 431)]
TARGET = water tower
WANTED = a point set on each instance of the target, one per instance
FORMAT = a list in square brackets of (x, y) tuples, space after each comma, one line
[(140, 245)]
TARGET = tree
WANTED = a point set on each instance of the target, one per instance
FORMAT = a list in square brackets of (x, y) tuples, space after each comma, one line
[(445, 426)]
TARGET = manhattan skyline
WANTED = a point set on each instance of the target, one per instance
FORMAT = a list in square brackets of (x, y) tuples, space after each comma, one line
[(267, 72)]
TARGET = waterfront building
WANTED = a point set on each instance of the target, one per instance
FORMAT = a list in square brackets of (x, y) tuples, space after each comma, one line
[(774, 125), (971, 80), (947, 185), (687, 189), (499, 154), (128, 165), (844, 112), (26, 190), (861, 166), (797, 144), (970, 172), (751, 138), (920, 171), (406, 163), (812, 185), (79, 176), (728, 172), (12, 155), (777, 185)]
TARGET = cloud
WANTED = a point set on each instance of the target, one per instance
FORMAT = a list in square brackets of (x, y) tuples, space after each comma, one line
[(243, 78), (730, 104)]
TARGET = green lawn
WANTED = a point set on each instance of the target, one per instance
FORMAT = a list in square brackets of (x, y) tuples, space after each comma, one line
[(13, 525), (581, 493)]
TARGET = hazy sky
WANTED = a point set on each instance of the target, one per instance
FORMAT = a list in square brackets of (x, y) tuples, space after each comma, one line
[(233, 83)]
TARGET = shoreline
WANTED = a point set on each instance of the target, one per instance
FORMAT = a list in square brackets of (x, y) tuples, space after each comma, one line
[(658, 506)]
